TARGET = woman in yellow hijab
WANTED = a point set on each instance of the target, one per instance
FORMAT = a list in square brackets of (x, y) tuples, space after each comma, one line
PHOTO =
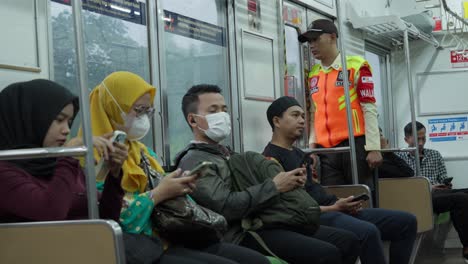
[(124, 101)]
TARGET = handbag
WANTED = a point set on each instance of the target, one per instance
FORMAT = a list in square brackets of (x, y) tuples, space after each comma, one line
[(181, 220)]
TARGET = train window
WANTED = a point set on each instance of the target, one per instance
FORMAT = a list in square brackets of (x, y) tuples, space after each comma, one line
[(195, 52), (115, 39), (294, 82)]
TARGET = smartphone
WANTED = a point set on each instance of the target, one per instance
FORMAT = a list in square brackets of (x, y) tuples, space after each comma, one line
[(200, 168), (361, 197), (307, 157), (448, 180), (103, 168), (119, 136)]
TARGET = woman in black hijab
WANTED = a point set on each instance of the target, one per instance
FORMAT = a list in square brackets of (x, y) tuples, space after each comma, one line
[(35, 114)]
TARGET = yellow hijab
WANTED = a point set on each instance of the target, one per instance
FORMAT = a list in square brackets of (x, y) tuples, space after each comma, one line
[(126, 88)]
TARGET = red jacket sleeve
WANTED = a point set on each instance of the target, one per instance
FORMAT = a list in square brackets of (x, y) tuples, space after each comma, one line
[(365, 85), (30, 198)]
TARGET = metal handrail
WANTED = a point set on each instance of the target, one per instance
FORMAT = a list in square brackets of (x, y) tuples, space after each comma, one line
[(398, 149), (349, 116), (447, 8), (411, 99), (34, 153), (326, 150), (347, 149), (91, 190)]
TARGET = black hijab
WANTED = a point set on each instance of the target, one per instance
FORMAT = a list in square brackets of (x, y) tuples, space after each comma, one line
[(27, 109)]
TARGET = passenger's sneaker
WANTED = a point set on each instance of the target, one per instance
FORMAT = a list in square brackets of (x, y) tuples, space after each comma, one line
[(465, 258)]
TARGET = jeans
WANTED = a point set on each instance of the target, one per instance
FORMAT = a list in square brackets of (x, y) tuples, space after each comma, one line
[(327, 246), (141, 249), (374, 225)]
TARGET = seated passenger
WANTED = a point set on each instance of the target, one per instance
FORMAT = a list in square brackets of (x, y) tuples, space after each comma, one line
[(287, 120), (444, 198), (124, 101), (205, 110), (38, 114)]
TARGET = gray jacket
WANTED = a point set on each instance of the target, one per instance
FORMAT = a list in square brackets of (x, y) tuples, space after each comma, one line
[(215, 191)]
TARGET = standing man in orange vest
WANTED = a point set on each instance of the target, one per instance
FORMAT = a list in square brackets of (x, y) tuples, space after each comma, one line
[(329, 126)]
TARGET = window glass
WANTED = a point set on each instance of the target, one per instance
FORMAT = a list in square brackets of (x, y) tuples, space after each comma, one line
[(111, 44), (195, 52), (294, 84)]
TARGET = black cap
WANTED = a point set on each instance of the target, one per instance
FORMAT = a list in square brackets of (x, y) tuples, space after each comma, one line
[(317, 28), (279, 106)]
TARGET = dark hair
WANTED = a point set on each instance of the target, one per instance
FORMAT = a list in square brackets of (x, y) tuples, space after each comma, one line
[(409, 128), (190, 100)]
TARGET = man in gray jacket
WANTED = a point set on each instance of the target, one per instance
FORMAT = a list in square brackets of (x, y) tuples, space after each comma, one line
[(206, 113)]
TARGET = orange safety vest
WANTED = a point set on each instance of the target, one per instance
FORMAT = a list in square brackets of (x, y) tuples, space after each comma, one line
[(327, 92)]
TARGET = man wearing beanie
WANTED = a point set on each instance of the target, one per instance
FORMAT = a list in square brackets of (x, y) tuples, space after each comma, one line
[(287, 119), (329, 128)]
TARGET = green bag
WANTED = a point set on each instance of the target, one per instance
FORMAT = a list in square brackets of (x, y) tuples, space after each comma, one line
[(295, 210)]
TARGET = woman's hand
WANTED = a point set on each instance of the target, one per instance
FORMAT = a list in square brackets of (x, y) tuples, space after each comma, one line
[(173, 185), (102, 144)]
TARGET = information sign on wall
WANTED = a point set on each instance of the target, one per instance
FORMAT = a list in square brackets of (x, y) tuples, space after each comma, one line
[(129, 10), (459, 59), (193, 28), (254, 15), (448, 129)]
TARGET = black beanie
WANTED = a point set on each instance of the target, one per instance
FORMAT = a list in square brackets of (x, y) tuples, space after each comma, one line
[(279, 106)]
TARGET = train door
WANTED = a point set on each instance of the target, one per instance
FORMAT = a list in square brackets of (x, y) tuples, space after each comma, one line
[(298, 59), (379, 60)]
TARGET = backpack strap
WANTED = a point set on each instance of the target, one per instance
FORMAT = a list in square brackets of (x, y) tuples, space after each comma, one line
[(249, 225), (262, 243)]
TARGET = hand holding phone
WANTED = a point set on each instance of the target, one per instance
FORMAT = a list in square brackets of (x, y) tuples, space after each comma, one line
[(103, 167), (448, 181), (200, 169), (119, 136), (361, 197)]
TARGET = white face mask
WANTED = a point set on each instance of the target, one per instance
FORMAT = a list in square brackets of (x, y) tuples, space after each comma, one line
[(219, 126), (136, 127)]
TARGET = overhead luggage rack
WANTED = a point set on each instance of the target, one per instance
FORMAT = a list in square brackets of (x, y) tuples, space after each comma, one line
[(389, 27)]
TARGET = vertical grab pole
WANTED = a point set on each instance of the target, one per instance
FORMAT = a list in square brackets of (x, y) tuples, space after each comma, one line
[(411, 98), (352, 144), (91, 190)]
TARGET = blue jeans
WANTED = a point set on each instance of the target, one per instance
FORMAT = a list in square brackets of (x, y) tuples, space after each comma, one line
[(374, 225)]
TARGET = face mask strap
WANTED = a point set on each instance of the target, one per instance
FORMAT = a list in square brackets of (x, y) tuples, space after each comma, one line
[(203, 130), (113, 98)]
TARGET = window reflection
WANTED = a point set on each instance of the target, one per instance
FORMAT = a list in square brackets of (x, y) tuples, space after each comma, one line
[(191, 61), (111, 44)]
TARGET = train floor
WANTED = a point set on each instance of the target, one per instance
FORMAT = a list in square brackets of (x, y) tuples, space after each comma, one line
[(449, 253)]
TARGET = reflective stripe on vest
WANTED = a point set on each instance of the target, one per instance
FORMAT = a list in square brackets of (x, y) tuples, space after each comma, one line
[(327, 92)]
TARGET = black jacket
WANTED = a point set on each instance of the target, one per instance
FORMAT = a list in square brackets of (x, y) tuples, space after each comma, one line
[(394, 167)]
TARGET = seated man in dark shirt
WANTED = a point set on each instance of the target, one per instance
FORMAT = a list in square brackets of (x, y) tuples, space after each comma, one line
[(286, 118)]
